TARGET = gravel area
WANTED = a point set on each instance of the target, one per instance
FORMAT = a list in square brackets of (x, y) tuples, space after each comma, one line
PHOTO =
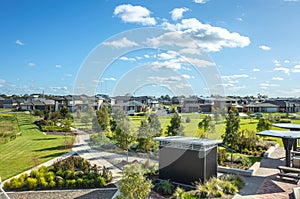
[(65, 194)]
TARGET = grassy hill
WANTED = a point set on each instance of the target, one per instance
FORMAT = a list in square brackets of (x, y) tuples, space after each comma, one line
[(30, 148)]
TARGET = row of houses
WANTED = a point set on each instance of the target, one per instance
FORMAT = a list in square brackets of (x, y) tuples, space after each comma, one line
[(131, 104)]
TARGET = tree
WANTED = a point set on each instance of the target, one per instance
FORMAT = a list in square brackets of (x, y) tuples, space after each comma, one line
[(123, 135), (149, 128), (230, 138), (144, 137), (103, 118), (263, 124), (206, 124), (95, 125), (175, 127), (64, 111), (155, 126), (216, 112), (85, 119), (133, 183)]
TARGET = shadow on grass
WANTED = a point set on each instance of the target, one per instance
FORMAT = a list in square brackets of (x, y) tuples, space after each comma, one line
[(54, 155), (61, 147), (37, 139)]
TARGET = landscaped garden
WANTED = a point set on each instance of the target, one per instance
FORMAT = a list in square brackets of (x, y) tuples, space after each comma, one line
[(31, 148), (138, 180), (71, 173)]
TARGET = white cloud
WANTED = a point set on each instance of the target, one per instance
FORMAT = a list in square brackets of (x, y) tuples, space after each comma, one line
[(229, 77), (263, 47), (185, 76), (59, 88), (277, 78), (297, 66), (276, 62), (147, 56), (168, 55), (121, 43), (210, 38), (31, 64), (2, 81), (200, 1), (286, 61), (197, 62), (255, 69), (20, 43), (239, 19), (58, 66), (172, 64), (171, 79), (109, 79), (290, 0), (177, 13), (282, 69), (227, 85), (134, 14), (268, 85), (127, 58), (296, 70)]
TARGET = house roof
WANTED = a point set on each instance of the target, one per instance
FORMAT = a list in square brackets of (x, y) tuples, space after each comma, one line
[(131, 103), (263, 104), (184, 142)]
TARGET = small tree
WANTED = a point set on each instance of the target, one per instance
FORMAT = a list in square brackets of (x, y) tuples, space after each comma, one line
[(206, 124), (103, 118), (231, 136), (64, 111), (216, 112), (175, 127), (133, 184), (263, 124), (123, 135)]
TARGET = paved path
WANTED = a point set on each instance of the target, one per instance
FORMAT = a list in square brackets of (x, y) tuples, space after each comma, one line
[(265, 183)]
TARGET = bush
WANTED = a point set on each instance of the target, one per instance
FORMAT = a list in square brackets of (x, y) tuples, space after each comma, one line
[(32, 183), (164, 187), (100, 182)]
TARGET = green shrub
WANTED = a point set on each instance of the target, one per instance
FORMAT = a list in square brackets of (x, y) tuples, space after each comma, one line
[(32, 183), (50, 176), (179, 193), (52, 184), (61, 183), (71, 183), (100, 182), (164, 187), (79, 182), (236, 180)]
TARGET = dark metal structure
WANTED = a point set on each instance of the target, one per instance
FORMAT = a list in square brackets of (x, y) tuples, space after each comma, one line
[(288, 139), (186, 159), (291, 127)]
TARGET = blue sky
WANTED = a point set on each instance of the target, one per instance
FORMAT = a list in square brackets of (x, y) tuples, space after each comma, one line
[(242, 47)]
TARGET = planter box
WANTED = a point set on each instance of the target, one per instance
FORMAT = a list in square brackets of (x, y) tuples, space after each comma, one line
[(237, 171), (270, 150)]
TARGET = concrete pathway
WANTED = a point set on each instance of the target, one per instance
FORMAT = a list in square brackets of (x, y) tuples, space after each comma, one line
[(265, 182)]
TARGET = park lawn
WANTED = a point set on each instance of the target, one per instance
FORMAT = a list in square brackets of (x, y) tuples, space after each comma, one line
[(29, 149)]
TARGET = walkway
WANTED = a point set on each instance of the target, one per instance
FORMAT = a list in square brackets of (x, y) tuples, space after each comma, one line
[(265, 183)]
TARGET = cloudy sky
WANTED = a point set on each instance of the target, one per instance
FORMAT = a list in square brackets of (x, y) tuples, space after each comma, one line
[(203, 47)]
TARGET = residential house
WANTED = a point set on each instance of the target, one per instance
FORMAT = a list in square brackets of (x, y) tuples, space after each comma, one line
[(264, 107), (129, 107)]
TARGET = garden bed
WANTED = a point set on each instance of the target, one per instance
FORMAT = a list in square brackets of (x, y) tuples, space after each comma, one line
[(73, 172)]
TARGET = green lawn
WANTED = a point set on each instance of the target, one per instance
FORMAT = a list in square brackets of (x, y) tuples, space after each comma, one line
[(18, 155)]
